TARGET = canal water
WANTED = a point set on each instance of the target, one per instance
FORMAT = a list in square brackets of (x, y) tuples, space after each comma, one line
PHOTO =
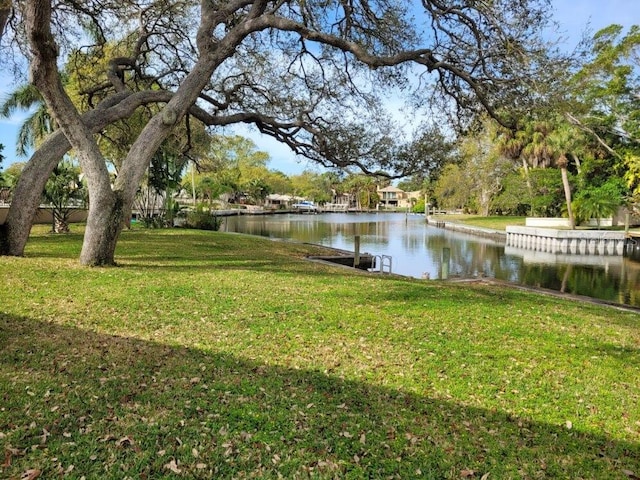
[(417, 249)]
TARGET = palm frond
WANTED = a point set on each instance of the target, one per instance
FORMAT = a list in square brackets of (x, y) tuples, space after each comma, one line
[(23, 98)]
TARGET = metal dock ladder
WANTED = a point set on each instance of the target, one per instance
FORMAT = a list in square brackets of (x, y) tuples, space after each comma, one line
[(382, 264)]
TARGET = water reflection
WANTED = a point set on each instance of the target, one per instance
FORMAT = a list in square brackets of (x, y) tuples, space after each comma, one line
[(417, 249)]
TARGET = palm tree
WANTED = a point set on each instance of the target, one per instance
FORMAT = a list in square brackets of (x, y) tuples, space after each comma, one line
[(529, 144), (66, 193), (538, 151), (510, 144), (564, 140), (37, 125), (547, 147), (543, 144), (257, 189), (562, 164)]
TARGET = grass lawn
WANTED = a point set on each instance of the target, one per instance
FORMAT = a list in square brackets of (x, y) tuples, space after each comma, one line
[(493, 222), (211, 355), (502, 222)]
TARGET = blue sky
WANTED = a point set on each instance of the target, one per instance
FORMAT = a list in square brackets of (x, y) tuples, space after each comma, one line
[(572, 15)]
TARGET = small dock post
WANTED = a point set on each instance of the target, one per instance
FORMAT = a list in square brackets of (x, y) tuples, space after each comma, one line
[(626, 223), (446, 256), (356, 252)]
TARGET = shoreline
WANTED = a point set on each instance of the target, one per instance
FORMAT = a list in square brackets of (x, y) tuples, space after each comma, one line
[(498, 235)]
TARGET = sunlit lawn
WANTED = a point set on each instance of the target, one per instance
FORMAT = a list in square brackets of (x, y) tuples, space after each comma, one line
[(502, 222), (493, 222), (210, 355)]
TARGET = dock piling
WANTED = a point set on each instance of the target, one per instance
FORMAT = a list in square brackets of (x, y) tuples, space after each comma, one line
[(446, 256)]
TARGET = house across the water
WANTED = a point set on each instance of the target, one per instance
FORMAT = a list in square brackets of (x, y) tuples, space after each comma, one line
[(395, 198)]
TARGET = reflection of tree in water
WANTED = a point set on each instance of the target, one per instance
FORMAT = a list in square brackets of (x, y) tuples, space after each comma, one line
[(364, 228), (306, 230), (588, 282), (412, 242), (545, 276), (472, 258), (565, 278), (373, 232), (606, 284), (630, 282)]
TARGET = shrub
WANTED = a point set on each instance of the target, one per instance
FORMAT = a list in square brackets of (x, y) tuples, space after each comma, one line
[(419, 206), (202, 219), (599, 202), (152, 222)]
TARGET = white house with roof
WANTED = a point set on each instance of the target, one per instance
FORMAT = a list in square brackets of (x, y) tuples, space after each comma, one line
[(277, 200)]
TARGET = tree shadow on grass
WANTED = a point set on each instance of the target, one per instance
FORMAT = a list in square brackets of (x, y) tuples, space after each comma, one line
[(78, 403)]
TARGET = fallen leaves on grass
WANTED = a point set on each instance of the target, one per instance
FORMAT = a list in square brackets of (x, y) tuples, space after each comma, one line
[(173, 466), (30, 474), (471, 473), (124, 442), (9, 453)]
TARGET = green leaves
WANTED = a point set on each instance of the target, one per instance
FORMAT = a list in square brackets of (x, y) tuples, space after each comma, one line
[(605, 89), (599, 202), (65, 192)]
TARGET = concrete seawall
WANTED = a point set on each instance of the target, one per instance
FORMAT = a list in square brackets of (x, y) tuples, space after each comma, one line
[(548, 240), (580, 242), (497, 235)]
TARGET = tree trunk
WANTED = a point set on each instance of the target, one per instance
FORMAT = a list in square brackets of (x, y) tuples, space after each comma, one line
[(527, 178), (485, 202), (101, 232), (578, 164), (27, 195), (567, 196), (104, 223), (60, 223), (107, 206)]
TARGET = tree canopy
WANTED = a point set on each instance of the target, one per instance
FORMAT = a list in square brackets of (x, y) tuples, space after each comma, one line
[(310, 74)]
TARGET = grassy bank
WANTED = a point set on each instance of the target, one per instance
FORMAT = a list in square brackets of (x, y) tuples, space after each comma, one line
[(502, 222), (493, 222), (209, 355)]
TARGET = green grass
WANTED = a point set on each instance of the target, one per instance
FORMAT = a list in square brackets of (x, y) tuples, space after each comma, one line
[(210, 355), (502, 222), (493, 222)]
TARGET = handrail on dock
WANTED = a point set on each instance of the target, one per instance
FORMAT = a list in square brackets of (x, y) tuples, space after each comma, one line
[(382, 262)]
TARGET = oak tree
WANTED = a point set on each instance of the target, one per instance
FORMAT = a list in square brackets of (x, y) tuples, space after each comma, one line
[(310, 74)]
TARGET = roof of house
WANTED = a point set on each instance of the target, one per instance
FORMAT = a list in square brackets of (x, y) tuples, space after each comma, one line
[(391, 188), (280, 197)]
